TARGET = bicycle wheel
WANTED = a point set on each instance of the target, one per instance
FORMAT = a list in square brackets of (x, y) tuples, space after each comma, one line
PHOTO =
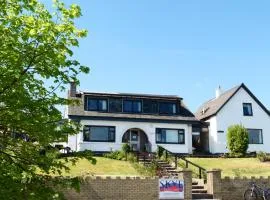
[(250, 195), (267, 195)]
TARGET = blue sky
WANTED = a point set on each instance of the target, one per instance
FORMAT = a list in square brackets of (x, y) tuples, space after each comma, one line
[(186, 48)]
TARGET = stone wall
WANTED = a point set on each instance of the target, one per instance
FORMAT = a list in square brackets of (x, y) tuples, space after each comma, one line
[(231, 188), (114, 188), (234, 188), (125, 188)]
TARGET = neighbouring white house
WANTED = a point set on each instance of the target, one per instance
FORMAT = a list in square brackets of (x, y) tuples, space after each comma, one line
[(142, 120), (236, 106)]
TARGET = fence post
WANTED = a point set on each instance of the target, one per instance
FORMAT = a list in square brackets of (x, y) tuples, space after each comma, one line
[(214, 183), (186, 164), (187, 176), (143, 159), (175, 160)]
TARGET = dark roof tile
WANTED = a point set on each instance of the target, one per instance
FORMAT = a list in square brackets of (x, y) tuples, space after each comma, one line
[(211, 107)]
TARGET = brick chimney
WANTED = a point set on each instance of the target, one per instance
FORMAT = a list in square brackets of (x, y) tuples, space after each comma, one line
[(73, 89)]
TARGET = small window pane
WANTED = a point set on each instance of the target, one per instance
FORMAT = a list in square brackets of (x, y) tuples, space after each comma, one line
[(172, 136), (181, 137), (247, 109), (115, 105), (102, 105), (86, 134), (127, 106), (255, 136), (167, 108), (99, 133), (92, 104), (149, 106), (137, 106), (158, 137)]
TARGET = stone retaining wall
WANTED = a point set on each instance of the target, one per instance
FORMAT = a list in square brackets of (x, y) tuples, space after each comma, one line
[(231, 188), (125, 188), (112, 188)]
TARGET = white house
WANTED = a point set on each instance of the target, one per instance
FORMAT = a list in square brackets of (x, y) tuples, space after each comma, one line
[(142, 120), (236, 106)]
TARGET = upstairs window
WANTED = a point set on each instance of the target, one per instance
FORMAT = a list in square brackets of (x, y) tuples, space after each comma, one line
[(97, 104), (247, 109), (170, 136), (115, 105), (150, 106), (132, 106), (167, 108), (255, 136), (99, 134)]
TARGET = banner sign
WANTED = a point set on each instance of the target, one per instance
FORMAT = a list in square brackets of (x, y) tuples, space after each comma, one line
[(171, 189)]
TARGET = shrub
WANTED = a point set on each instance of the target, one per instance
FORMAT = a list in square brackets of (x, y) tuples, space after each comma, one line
[(116, 155), (237, 140), (126, 148), (160, 151), (131, 158), (263, 157)]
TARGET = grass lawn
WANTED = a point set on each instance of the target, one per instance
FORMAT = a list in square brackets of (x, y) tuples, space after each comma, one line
[(104, 166), (235, 166)]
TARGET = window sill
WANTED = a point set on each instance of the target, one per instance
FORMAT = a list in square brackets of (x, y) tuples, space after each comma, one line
[(256, 144), (169, 143), (86, 142)]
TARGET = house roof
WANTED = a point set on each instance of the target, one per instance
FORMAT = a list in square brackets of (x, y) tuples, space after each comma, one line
[(185, 114), (213, 106)]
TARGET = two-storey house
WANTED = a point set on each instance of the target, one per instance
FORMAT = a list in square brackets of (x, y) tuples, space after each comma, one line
[(142, 120), (236, 106)]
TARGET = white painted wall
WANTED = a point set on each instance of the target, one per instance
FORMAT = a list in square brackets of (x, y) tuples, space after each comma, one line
[(212, 134), (121, 127), (231, 114)]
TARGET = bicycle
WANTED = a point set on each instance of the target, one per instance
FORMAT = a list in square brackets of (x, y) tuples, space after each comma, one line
[(255, 192)]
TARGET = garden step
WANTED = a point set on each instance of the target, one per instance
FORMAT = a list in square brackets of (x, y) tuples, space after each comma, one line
[(195, 183), (162, 162), (200, 191), (170, 168), (202, 196), (197, 187), (164, 165)]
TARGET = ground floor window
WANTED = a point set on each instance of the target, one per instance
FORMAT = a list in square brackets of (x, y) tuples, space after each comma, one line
[(255, 136), (170, 136), (99, 133)]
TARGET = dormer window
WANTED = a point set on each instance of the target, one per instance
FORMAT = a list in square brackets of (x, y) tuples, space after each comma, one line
[(167, 108), (247, 109), (97, 105), (132, 106)]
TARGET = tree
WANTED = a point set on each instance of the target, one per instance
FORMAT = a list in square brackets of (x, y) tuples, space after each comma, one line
[(237, 140), (35, 48)]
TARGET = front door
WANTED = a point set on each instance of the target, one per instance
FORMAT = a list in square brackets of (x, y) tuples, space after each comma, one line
[(135, 140)]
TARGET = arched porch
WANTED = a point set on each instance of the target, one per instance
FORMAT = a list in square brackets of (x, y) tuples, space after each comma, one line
[(137, 139)]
